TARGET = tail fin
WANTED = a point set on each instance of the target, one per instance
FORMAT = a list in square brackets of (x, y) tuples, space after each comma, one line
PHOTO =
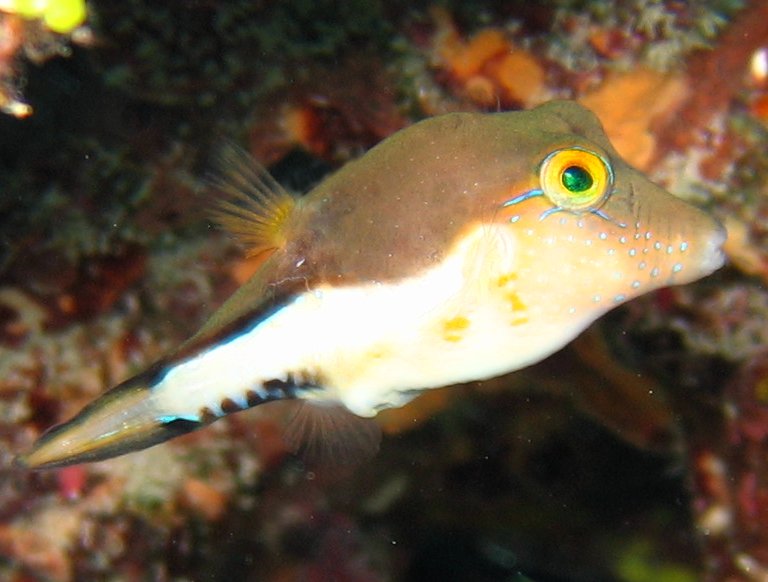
[(123, 420)]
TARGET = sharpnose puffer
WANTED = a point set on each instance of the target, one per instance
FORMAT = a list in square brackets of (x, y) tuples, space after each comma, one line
[(463, 247)]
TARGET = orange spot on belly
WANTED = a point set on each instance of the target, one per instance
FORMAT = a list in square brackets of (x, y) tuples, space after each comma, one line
[(377, 353), (453, 329), (514, 301), (506, 279)]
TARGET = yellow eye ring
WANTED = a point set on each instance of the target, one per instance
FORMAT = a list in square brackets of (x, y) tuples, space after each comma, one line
[(576, 179)]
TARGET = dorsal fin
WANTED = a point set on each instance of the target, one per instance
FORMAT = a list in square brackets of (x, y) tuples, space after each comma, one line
[(252, 205)]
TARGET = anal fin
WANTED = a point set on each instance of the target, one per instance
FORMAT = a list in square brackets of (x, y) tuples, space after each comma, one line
[(327, 435)]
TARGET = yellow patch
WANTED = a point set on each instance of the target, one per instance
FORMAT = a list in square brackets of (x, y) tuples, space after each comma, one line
[(514, 302), (510, 297), (378, 353), (506, 279), (454, 328)]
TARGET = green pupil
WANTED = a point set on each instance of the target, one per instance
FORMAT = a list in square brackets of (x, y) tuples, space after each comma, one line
[(577, 179)]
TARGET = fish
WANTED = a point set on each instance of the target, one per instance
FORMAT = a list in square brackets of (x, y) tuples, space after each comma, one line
[(463, 247)]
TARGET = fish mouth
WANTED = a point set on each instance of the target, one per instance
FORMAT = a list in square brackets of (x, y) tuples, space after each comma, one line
[(714, 255)]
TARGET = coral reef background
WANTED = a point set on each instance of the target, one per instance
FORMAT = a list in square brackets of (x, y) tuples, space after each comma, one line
[(638, 453)]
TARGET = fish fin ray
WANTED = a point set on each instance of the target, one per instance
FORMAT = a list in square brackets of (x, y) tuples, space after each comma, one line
[(327, 435), (252, 205)]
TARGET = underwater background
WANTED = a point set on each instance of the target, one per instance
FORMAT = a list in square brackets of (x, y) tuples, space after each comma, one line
[(638, 453)]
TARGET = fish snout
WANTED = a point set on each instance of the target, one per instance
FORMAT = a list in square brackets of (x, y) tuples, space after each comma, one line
[(704, 237), (673, 242), (714, 253)]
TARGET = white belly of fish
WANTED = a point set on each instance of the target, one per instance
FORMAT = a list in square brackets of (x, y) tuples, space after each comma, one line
[(373, 346)]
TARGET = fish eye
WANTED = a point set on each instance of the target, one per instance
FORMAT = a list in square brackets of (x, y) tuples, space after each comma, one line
[(576, 179)]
